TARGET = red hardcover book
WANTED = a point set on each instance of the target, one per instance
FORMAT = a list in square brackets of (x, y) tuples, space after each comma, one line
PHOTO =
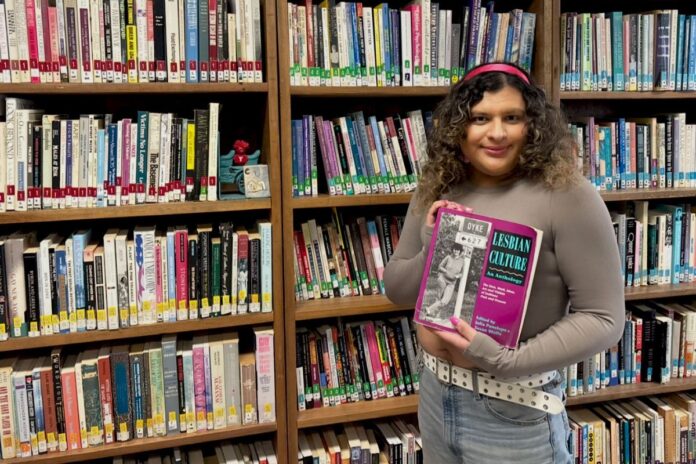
[(49, 406), (105, 393)]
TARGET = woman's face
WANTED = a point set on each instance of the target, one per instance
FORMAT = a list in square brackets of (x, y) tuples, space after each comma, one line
[(495, 136)]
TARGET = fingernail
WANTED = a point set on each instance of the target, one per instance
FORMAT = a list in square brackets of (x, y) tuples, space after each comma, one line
[(469, 210), (454, 320)]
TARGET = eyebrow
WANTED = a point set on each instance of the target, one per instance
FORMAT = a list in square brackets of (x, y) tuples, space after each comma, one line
[(516, 111)]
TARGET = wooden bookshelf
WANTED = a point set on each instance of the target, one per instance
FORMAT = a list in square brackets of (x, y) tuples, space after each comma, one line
[(253, 105), (146, 445), (659, 291), (139, 331), (565, 96), (336, 201), (648, 194), (621, 392), (134, 211), (121, 89), (385, 92), (360, 411), (327, 101), (351, 306)]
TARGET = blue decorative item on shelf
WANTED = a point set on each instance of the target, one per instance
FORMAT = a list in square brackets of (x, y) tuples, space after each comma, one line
[(232, 176)]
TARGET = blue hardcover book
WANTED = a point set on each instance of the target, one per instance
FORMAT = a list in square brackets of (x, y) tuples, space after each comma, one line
[(80, 241), (112, 155), (622, 154), (677, 214), (395, 42), (387, 177), (360, 137), (613, 367), (355, 44), (680, 52), (386, 43), (191, 24), (508, 41), (616, 18), (296, 141), (691, 83), (101, 160), (358, 159), (474, 25)]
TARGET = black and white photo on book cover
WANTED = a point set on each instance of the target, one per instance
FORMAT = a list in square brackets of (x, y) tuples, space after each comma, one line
[(457, 262)]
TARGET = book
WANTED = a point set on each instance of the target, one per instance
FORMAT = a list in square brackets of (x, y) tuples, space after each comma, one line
[(479, 269)]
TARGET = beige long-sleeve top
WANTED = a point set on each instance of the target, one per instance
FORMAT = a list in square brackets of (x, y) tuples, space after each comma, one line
[(576, 305)]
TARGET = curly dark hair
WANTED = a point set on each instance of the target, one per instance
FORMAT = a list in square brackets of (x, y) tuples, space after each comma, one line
[(548, 156)]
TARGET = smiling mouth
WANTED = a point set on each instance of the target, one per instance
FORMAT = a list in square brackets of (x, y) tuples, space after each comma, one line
[(495, 151)]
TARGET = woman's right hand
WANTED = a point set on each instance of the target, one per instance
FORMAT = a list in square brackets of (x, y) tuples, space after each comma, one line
[(432, 212)]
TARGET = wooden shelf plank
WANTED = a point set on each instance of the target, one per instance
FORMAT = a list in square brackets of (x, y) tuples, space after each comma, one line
[(350, 306), (163, 328), (362, 410), (147, 88), (146, 445), (131, 211), (368, 91), (633, 390), (659, 291), (648, 194), (326, 201), (627, 95)]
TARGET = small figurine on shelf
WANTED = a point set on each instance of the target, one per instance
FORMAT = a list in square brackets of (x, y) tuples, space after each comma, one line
[(232, 172)]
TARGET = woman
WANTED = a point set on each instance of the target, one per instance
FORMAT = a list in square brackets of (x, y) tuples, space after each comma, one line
[(501, 149), (449, 272)]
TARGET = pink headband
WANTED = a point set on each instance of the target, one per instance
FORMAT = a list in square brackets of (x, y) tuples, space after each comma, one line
[(497, 67)]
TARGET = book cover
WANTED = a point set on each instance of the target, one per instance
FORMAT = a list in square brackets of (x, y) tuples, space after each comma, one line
[(478, 269)]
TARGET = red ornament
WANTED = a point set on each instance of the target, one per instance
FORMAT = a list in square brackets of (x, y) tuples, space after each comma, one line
[(240, 157)]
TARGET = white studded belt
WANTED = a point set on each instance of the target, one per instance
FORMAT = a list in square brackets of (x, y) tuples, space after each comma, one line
[(518, 390)]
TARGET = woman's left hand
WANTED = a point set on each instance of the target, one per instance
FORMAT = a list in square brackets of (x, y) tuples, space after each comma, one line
[(462, 338)]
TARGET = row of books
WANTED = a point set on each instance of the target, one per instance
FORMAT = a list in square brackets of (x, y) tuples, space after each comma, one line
[(345, 257), (644, 153), (657, 346), (127, 278), (70, 401), (130, 42), (350, 44), (356, 361), (647, 429), (359, 156), (225, 452), (656, 244), (54, 161), (628, 52), (389, 441)]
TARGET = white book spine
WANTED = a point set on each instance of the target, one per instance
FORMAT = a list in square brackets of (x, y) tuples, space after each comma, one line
[(217, 377), (232, 47), (406, 58), (3, 165), (43, 75), (116, 44), (326, 41), (80, 403), (182, 40), (22, 41), (44, 281), (4, 47), (425, 40), (132, 162), (144, 239), (121, 256), (153, 156), (266, 266), (141, 28), (256, 40), (441, 45), (96, 33), (265, 372), (12, 38), (189, 396), (21, 155), (11, 152), (165, 153), (232, 386), (23, 437), (369, 34)]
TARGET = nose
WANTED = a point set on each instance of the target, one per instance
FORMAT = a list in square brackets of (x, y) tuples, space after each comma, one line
[(497, 129)]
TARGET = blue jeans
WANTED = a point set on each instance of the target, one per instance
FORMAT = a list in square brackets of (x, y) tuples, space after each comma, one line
[(457, 426)]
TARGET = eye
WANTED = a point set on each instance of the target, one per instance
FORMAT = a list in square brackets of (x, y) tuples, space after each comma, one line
[(514, 118), (479, 119)]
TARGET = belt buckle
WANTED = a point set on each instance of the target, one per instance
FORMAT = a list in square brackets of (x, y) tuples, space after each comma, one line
[(446, 369)]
